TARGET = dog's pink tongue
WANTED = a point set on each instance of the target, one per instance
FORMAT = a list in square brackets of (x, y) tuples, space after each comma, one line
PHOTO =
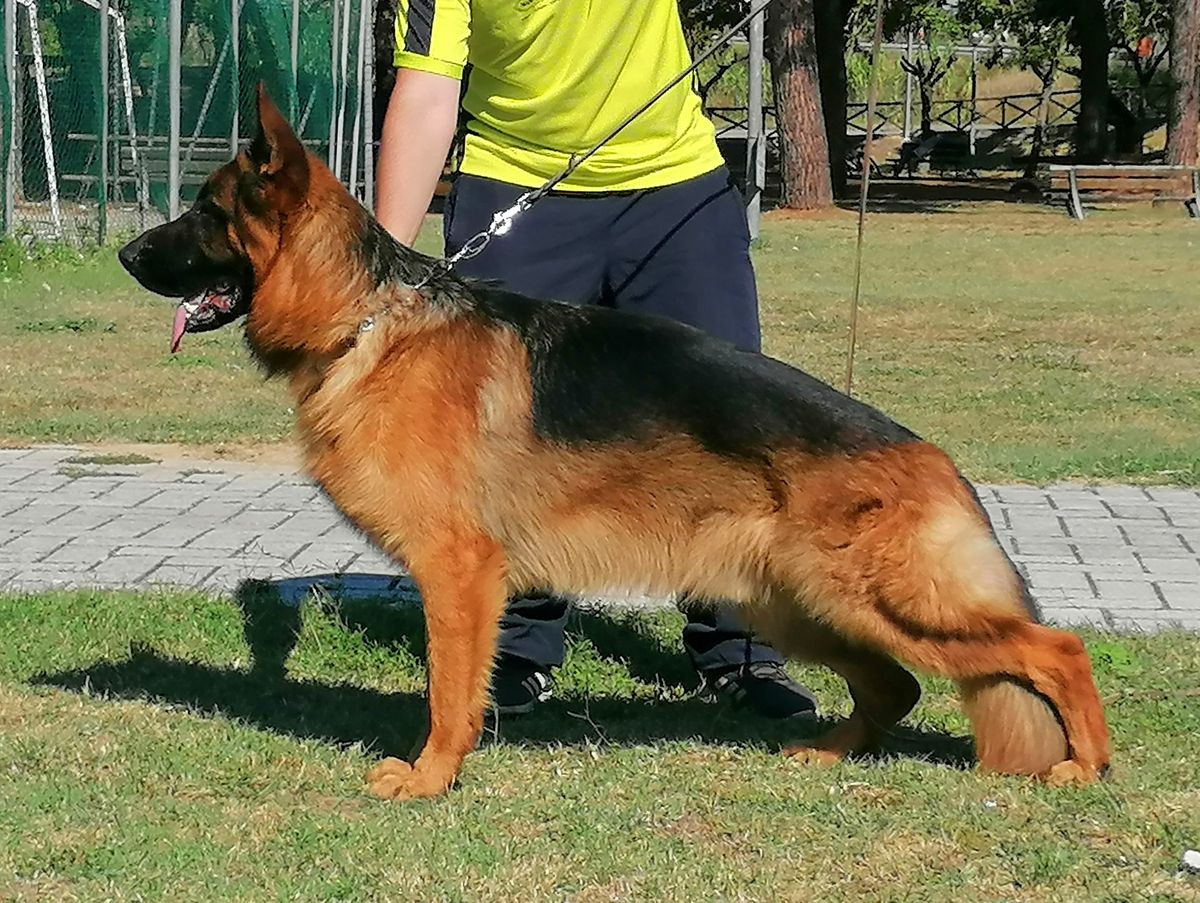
[(178, 327)]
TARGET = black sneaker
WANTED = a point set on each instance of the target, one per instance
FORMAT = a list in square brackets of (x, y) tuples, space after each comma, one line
[(763, 687), (519, 685)]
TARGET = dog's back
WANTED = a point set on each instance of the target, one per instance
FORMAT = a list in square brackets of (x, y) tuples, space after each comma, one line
[(605, 376)]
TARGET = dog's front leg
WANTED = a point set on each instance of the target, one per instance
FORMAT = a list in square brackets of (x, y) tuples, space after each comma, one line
[(461, 575)]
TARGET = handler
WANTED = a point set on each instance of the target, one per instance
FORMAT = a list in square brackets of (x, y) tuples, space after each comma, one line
[(652, 223)]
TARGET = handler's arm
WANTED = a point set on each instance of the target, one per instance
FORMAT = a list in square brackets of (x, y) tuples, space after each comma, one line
[(417, 132), (431, 52)]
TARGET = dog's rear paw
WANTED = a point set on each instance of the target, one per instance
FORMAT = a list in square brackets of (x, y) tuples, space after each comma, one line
[(1071, 773), (389, 766), (395, 779), (812, 755), (847, 738)]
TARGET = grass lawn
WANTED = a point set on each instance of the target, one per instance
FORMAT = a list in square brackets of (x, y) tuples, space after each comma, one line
[(1032, 347), (153, 748)]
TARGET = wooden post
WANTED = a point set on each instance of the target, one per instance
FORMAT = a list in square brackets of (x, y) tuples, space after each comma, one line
[(974, 100), (908, 88)]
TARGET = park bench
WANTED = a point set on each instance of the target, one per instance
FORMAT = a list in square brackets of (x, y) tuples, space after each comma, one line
[(197, 159), (939, 152), (1073, 186)]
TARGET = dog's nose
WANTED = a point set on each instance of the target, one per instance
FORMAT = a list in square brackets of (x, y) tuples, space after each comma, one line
[(128, 255)]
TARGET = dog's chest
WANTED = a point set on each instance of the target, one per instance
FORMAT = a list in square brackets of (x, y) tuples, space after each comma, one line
[(385, 472)]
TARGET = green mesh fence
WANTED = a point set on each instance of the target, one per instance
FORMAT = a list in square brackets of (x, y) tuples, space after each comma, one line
[(64, 184)]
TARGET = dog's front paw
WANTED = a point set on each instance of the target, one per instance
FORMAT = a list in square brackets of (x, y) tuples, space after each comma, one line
[(812, 755), (395, 779)]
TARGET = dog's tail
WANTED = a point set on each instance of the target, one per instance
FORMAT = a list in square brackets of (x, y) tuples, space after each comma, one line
[(1016, 730)]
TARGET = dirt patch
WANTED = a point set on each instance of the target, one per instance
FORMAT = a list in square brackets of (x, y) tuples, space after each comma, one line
[(266, 454), (787, 214), (273, 454)]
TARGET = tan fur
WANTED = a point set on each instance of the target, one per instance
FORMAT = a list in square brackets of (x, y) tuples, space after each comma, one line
[(1016, 732), (421, 432)]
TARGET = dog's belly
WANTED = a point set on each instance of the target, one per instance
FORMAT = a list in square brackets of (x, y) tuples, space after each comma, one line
[(722, 558), (670, 519)]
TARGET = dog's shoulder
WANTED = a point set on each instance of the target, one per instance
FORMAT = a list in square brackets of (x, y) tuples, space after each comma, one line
[(599, 375)]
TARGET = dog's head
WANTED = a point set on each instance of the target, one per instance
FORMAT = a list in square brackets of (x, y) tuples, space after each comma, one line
[(212, 255)]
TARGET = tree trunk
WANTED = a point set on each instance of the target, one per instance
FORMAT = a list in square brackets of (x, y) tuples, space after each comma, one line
[(1184, 120), (804, 152), (926, 91), (1091, 130), (1043, 116), (831, 19)]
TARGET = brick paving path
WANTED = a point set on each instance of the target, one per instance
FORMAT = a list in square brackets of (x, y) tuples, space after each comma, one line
[(1121, 557)]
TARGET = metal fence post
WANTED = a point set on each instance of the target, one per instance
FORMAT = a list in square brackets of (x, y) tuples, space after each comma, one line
[(359, 68), (174, 39), (333, 80), (295, 38), (235, 75), (102, 180), (756, 148), (10, 112), (343, 88), (43, 93), (368, 87)]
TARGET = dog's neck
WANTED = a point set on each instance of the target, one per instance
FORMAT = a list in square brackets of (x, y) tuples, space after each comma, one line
[(336, 274), (388, 261)]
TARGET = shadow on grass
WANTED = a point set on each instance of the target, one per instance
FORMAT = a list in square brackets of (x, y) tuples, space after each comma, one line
[(392, 723)]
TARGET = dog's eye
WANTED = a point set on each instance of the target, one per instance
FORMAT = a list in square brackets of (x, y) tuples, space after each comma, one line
[(214, 209)]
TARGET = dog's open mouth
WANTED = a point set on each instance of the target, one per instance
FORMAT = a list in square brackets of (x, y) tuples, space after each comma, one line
[(210, 309)]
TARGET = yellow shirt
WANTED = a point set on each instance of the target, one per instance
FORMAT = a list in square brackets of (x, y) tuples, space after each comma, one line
[(552, 77)]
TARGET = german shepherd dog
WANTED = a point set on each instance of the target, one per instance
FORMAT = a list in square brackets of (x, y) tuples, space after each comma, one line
[(496, 444)]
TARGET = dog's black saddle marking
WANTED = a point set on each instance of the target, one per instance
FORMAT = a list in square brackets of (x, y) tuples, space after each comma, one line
[(601, 375)]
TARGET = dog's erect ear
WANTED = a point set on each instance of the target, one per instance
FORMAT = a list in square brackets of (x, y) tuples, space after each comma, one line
[(276, 151)]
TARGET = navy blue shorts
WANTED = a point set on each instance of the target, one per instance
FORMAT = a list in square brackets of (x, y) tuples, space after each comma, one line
[(682, 251)]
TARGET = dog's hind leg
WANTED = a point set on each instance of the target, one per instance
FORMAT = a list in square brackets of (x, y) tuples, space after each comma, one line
[(462, 578), (882, 690), (908, 565), (1055, 665), (1024, 685)]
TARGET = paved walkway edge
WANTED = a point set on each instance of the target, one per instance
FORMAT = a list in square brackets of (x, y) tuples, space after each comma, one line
[(1119, 557)]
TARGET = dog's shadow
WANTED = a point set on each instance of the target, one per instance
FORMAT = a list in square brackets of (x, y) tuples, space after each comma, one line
[(391, 723)]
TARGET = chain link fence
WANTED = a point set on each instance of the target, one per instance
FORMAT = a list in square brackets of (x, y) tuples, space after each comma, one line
[(114, 111)]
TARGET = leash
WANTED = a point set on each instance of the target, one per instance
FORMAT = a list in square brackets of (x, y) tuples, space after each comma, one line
[(864, 185), (502, 221)]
